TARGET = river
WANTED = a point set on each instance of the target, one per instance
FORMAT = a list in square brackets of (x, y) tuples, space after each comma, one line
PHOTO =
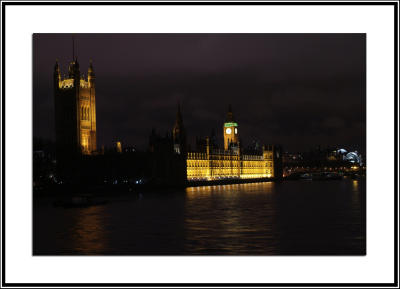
[(288, 218)]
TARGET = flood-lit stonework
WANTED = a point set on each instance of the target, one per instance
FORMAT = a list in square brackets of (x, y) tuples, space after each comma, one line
[(215, 164), (75, 105)]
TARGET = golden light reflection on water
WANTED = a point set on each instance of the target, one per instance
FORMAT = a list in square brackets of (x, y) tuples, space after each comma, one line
[(240, 217), (355, 193), (88, 234), (251, 188), (355, 185)]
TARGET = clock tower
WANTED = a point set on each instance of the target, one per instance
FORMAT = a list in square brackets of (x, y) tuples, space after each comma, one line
[(231, 135)]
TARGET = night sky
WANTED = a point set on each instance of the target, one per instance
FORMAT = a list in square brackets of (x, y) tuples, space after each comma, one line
[(298, 90)]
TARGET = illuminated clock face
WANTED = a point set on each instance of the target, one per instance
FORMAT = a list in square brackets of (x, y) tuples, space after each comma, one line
[(228, 130), (235, 130)]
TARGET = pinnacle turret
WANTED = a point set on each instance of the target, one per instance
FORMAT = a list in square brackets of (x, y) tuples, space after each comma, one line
[(179, 120), (91, 70), (56, 67), (91, 75)]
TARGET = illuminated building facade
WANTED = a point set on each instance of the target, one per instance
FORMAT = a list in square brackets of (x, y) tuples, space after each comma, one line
[(230, 163), (75, 110), (231, 136), (118, 147), (221, 164)]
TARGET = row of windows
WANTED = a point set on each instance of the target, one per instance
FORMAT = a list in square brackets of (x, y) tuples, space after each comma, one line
[(85, 113), (219, 175), (212, 157), (211, 164), (244, 172), (202, 156), (235, 170), (219, 157)]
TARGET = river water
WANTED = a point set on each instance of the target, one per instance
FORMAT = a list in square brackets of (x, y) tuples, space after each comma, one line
[(288, 218)]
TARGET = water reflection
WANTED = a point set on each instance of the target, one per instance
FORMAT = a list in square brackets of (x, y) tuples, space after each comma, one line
[(289, 218), (89, 234), (355, 185), (230, 219), (355, 195)]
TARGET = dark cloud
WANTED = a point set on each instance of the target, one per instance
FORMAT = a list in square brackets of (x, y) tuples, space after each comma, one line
[(300, 90)]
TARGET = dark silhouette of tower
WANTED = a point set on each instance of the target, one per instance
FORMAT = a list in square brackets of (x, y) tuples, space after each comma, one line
[(180, 149), (179, 134), (75, 113)]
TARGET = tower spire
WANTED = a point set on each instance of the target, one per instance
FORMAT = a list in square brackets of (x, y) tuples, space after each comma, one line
[(91, 75), (229, 116), (91, 70), (179, 114), (56, 66), (178, 133), (57, 75), (74, 52)]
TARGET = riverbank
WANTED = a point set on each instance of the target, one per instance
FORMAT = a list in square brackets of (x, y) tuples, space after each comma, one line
[(118, 189), (230, 182), (126, 188)]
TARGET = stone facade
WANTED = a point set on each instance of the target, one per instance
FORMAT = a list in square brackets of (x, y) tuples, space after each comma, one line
[(75, 111), (230, 163)]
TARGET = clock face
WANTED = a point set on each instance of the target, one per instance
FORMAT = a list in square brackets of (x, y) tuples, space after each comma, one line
[(228, 130), (235, 130)]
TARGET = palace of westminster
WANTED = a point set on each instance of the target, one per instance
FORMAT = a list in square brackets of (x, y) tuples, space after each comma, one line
[(75, 116)]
